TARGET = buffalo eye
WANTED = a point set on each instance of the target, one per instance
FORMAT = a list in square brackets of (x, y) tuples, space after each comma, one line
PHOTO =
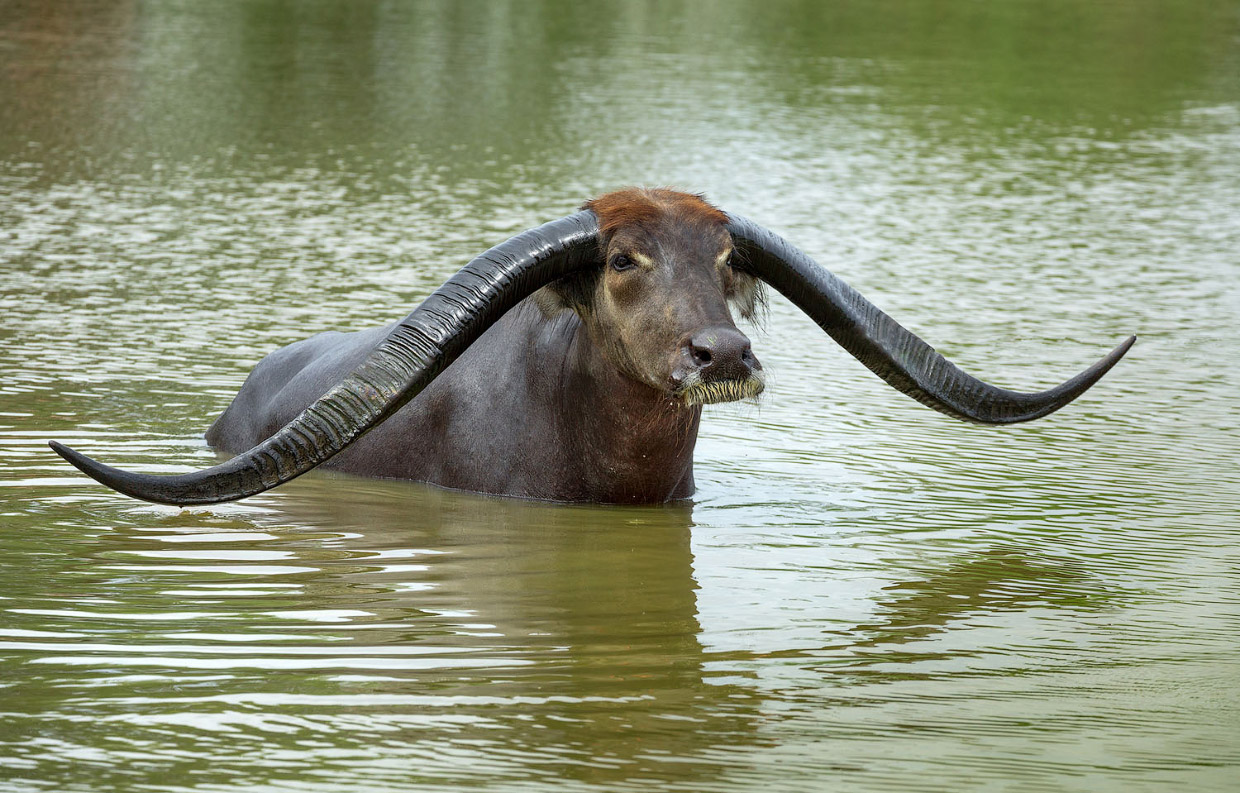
[(620, 263), (729, 270)]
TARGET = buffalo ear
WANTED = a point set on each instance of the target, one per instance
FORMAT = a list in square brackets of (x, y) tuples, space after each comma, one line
[(573, 293), (549, 302), (748, 296)]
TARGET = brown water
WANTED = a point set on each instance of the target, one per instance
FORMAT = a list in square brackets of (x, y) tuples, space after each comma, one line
[(864, 595)]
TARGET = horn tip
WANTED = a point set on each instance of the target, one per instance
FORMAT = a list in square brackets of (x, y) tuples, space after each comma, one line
[(68, 454), (1120, 351), (81, 462), (135, 485)]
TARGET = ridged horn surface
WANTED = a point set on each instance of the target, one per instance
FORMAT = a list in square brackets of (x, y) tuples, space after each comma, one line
[(412, 355), (888, 349)]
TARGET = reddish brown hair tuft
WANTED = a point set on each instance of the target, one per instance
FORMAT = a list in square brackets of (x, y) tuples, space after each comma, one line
[(641, 206)]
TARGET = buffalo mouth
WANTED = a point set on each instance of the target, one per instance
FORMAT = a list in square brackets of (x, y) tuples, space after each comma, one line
[(709, 392)]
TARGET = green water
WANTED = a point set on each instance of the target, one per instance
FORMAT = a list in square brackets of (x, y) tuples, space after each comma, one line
[(863, 596)]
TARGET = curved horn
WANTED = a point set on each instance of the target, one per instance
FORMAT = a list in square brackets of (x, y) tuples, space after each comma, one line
[(887, 348), (415, 352)]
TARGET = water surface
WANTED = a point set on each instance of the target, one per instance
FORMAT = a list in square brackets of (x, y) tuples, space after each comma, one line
[(864, 595)]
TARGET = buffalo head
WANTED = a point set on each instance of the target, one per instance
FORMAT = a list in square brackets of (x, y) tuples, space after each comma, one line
[(659, 303)]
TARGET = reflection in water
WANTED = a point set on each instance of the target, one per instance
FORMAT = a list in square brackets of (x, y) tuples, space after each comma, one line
[(459, 631), (865, 596), (982, 585)]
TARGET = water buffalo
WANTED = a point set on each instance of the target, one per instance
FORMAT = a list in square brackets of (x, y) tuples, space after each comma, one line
[(586, 347)]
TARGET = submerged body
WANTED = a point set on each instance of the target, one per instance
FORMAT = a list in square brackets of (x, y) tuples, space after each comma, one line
[(532, 409), (588, 390)]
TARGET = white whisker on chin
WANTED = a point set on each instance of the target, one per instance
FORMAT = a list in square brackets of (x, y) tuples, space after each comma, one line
[(698, 392)]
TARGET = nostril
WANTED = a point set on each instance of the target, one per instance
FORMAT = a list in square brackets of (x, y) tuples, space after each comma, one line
[(701, 356), (747, 355)]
